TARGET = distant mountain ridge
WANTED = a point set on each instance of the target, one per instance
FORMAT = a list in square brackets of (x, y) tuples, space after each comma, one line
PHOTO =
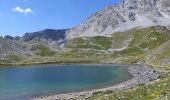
[(126, 15), (48, 35)]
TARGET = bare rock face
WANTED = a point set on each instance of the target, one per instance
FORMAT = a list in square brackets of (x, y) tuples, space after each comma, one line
[(124, 16)]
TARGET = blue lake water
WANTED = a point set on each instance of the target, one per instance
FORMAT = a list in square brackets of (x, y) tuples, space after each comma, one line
[(28, 82)]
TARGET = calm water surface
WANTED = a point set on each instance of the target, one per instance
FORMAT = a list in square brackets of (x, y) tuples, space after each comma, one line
[(32, 81)]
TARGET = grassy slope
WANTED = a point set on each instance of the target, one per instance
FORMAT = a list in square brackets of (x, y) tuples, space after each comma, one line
[(160, 56), (100, 43), (157, 54)]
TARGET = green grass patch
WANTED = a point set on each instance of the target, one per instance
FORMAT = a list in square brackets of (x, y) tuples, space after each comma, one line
[(99, 43), (152, 91), (44, 51), (13, 57)]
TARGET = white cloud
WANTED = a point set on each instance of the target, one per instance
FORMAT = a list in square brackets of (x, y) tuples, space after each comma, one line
[(28, 10), (18, 9), (21, 10)]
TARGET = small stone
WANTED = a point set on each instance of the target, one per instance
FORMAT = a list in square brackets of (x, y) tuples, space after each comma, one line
[(165, 84), (158, 80), (106, 95)]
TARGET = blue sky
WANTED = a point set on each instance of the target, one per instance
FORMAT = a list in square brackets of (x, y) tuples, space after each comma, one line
[(20, 16)]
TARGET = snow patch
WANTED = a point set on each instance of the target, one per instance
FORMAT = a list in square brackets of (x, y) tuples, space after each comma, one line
[(165, 15), (62, 45)]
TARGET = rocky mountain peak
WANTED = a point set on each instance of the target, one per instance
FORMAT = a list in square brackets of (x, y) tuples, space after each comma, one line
[(124, 16)]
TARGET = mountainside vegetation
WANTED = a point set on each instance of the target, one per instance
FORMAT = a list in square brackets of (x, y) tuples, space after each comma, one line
[(146, 45), (152, 47)]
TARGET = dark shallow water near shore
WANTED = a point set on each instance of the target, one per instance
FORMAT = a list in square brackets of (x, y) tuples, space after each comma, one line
[(24, 83)]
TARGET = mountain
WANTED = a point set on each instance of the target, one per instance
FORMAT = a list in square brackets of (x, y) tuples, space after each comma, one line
[(46, 35), (134, 31), (124, 16)]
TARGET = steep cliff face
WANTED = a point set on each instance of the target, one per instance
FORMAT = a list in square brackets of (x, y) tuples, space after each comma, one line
[(124, 16)]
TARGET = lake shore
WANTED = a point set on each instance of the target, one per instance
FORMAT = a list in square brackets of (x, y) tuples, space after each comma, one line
[(142, 74)]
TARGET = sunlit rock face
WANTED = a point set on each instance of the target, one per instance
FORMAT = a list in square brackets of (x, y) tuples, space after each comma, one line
[(124, 16)]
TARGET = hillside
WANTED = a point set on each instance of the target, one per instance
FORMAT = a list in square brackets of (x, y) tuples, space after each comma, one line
[(134, 46), (160, 56)]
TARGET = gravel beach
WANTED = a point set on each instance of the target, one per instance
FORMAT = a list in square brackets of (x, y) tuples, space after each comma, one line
[(141, 75)]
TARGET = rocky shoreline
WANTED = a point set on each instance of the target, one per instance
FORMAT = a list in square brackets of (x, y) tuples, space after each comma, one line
[(141, 75)]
